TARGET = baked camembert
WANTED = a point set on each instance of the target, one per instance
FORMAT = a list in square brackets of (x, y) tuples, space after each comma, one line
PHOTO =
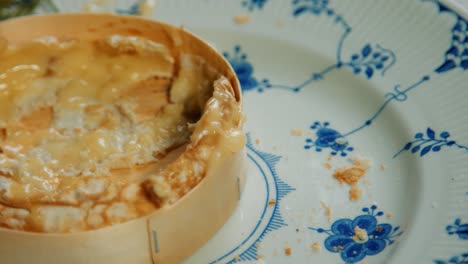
[(95, 133)]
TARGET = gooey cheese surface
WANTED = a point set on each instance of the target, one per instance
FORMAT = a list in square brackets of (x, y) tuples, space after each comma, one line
[(96, 133)]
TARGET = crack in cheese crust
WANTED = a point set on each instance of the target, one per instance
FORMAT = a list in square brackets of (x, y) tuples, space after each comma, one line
[(97, 133)]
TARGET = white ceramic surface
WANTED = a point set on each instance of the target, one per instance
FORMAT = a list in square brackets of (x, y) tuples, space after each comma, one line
[(385, 81)]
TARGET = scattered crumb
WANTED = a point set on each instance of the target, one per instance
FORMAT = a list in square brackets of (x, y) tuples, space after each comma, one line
[(355, 193), (330, 157), (271, 202), (328, 210), (316, 246), (279, 23), (260, 256), (147, 8), (338, 248), (327, 165), (382, 167), (257, 141), (378, 228), (258, 245), (361, 234), (389, 215), (297, 132), (349, 174), (288, 251), (242, 19), (236, 258)]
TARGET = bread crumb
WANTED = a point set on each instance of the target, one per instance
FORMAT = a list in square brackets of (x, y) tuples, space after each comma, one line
[(361, 234), (330, 157), (328, 210), (382, 167), (242, 19), (258, 245), (297, 132), (327, 165), (279, 23), (236, 258), (338, 248), (288, 251), (271, 202), (257, 141), (350, 174), (355, 193), (316, 246), (389, 215), (260, 256)]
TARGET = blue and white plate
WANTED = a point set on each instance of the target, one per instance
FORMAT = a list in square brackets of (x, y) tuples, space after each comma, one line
[(325, 82)]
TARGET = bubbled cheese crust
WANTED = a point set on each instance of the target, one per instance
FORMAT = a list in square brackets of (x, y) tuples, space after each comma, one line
[(97, 133)]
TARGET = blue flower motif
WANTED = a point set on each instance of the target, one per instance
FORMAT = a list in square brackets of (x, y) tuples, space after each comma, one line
[(457, 54), (363, 236), (429, 142), (134, 9), (371, 60), (252, 4), (458, 228), (462, 259), (315, 7), (244, 71), (328, 138)]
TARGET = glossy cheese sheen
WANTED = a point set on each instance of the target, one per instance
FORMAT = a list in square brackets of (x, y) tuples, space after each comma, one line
[(86, 129)]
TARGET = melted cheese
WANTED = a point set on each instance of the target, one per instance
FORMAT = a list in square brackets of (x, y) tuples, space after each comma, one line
[(87, 131)]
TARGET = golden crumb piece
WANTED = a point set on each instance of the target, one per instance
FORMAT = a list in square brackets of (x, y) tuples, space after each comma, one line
[(316, 246), (242, 19), (271, 202), (288, 251), (355, 193), (330, 157), (236, 258), (389, 215), (382, 167), (350, 174), (297, 132), (327, 165), (257, 141), (360, 235), (260, 256)]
